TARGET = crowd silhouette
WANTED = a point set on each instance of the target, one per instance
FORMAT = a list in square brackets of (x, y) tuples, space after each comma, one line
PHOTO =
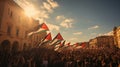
[(43, 57)]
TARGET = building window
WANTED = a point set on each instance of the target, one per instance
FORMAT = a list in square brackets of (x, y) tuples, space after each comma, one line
[(17, 32), (11, 14), (9, 30)]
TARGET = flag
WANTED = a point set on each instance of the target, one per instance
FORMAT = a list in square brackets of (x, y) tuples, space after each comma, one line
[(68, 44), (58, 38), (41, 28), (62, 44), (58, 45), (46, 39), (83, 45), (76, 44), (44, 26)]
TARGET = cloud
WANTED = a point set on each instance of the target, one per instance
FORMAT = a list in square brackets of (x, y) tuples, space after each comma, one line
[(106, 34), (53, 27), (50, 26), (60, 17), (73, 39), (50, 5), (77, 33), (47, 7), (40, 9), (43, 15), (53, 3), (64, 22), (67, 23), (94, 27)]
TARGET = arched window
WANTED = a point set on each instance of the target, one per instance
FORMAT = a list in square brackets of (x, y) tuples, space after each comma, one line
[(5, 46)]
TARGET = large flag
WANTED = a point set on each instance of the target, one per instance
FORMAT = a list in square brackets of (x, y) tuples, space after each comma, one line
[(42, 28), (58, 38), (48, 38)]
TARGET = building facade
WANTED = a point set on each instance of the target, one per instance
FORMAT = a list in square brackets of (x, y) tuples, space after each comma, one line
[(14, 27), (105, 41), (93, 43), (116, 31), (102, 41)]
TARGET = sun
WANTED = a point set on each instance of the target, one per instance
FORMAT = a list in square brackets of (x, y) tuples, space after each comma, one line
[(30, 11)]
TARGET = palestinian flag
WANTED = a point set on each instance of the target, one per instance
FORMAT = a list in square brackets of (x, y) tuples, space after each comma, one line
[(68, 44), (43, 28), (83, 45), (58, 38), (76, 44), (62, 44), (46, 39)]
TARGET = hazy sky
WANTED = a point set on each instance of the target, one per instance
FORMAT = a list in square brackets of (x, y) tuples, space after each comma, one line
[(76, 20)]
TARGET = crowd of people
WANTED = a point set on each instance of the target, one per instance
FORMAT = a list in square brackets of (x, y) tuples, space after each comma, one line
[(42, 57)]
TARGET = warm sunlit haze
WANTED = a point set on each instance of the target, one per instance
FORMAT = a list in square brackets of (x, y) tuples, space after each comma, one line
[(76, 20), (30, 11)]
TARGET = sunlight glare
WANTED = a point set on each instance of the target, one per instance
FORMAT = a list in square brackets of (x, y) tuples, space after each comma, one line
[(30, 11)]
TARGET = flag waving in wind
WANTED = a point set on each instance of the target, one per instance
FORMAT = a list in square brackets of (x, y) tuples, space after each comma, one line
[(58, 38), (46, 39), (62, 44), (42, 28), (83, 45), (68, 44)]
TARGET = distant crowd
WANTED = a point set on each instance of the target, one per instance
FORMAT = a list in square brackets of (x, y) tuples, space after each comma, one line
[(42, 57)]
